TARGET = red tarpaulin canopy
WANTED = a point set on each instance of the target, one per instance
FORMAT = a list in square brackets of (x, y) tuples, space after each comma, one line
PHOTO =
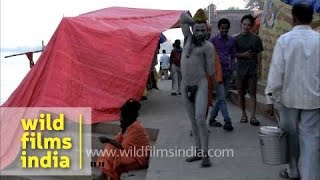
[(98, 59)]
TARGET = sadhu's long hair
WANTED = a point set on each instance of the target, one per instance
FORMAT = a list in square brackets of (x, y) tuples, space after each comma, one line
[(199, 18), (130, 111)]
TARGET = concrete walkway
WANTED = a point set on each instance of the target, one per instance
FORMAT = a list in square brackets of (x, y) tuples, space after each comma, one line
[(167, 113)]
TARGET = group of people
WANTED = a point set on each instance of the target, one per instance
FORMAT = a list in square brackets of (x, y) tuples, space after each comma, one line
[(246, 48), (172, 64), (294, 80)]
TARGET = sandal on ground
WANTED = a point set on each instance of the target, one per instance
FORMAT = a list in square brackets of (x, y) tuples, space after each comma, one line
[(193, 158), (244, 119), (284, 175), (254, 122)]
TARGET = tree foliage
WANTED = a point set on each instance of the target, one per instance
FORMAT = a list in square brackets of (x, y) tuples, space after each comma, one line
[(233, 8), (254, 4)]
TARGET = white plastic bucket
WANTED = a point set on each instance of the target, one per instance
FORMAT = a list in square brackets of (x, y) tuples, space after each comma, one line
[(273, 143)]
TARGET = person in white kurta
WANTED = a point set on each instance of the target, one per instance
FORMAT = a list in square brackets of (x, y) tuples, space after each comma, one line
[(294, 79)]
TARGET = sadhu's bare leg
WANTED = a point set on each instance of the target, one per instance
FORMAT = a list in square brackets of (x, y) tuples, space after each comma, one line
[(197, 61), (190, 107), (201, 103), (197, 114)]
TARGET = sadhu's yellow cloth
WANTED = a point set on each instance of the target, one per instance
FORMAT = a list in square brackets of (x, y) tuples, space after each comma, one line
[(200, 16)]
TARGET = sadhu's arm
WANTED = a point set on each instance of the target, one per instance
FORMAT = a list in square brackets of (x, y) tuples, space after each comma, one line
[(113, 142)]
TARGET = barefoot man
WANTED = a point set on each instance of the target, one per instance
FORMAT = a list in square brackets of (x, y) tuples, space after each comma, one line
[(196, 63)]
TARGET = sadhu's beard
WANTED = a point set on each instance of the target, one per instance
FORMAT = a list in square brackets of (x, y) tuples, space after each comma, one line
[(198, 41)]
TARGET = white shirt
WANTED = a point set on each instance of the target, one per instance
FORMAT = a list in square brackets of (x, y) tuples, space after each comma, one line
[(294, 75), (165, 61)]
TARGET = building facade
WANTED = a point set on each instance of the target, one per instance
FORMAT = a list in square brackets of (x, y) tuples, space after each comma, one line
[(234, 16)]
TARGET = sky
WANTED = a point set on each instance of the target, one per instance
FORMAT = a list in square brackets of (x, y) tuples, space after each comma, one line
[(28, 22)]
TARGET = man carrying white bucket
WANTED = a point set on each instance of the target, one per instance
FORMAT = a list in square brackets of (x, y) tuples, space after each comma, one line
[(295, 75)]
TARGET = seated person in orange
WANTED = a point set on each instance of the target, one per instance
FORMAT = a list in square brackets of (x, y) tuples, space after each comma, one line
[(133, 137)]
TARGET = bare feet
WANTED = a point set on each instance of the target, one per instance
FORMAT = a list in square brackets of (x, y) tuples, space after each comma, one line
[(206, 161)]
